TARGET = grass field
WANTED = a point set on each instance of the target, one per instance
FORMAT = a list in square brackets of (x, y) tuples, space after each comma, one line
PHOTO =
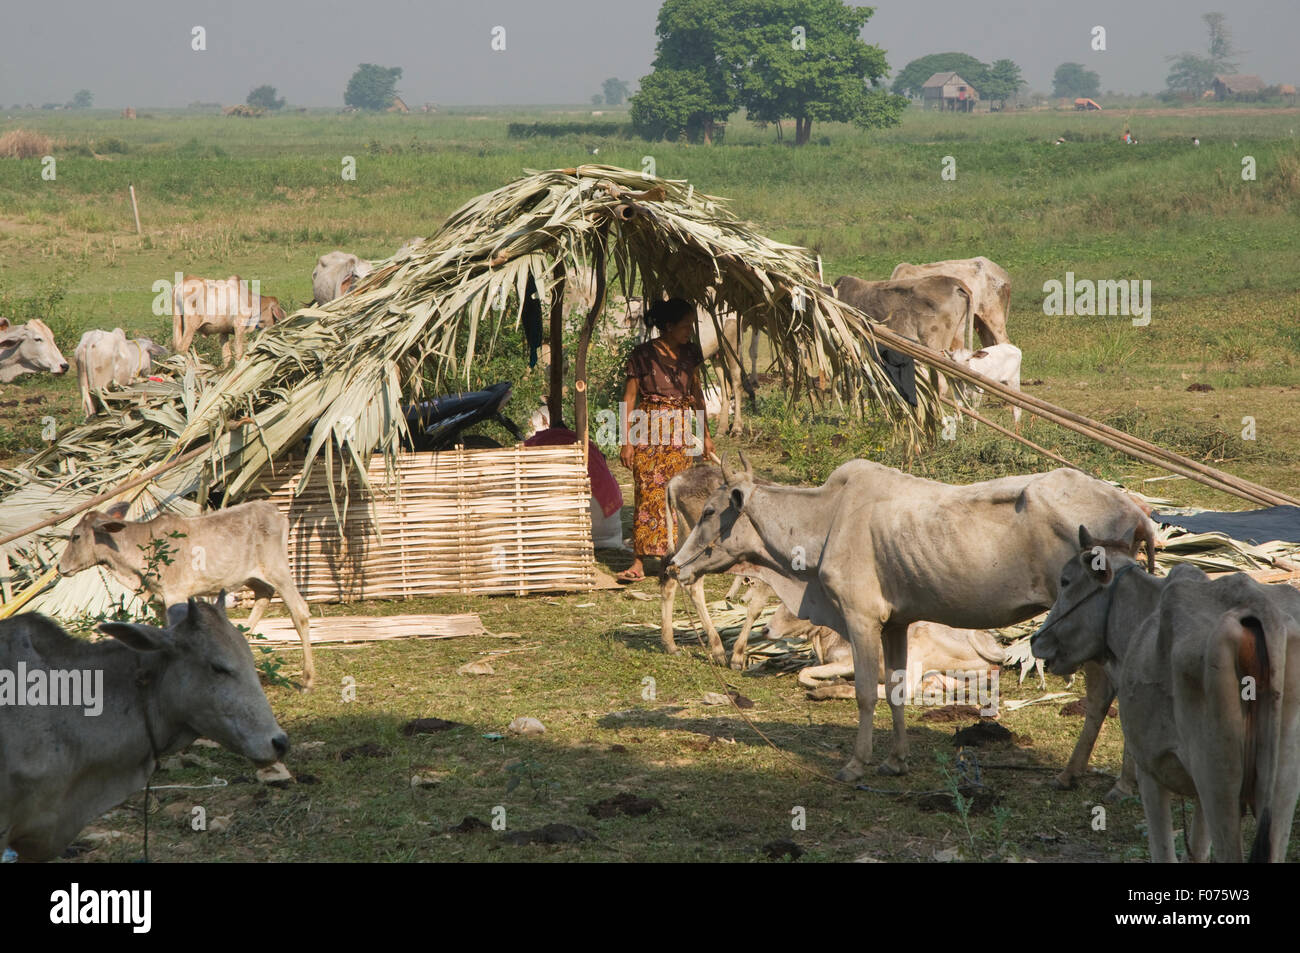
[(263, 198)]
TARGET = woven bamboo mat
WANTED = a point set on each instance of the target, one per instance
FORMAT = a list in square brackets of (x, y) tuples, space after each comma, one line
[(363, 628)]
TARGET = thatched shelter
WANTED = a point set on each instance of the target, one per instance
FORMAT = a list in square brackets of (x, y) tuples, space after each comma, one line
[(343, 370)]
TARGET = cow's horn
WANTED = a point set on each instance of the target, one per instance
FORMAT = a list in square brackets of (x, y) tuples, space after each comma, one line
[(726, 470), (744, 462)]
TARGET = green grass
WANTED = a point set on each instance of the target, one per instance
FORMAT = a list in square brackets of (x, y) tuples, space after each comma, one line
[(263, 198)]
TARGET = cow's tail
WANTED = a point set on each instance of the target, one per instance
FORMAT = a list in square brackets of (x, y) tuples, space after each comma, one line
[(1004, 299), (83, 379), (673, 514), (178, 314), (1261, 655)]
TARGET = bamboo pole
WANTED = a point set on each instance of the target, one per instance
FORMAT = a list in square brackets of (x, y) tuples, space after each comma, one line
[(580, 368), (1107, 436), (1014, 436), (555, 399)]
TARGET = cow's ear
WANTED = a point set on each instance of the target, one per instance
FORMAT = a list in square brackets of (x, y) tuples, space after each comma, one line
[(11, 340), (118, 510), (740, 496), (140, 638), (1085, 538), (4, 323), (180, 611), (111, 526)]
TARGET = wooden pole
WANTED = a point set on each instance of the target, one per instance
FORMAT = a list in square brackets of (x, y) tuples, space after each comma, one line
[(555, 398), (136, 209), (580, 367), (1014, 436)]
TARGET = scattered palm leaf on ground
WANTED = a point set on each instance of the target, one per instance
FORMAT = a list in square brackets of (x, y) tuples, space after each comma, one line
[(420, 321)]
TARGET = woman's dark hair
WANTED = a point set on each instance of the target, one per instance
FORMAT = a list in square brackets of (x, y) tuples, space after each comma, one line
[(664, 314)]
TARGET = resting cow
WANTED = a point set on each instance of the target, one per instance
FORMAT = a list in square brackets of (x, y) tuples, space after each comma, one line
[(108, 357), (990, 288), (1208, 675), (28, 349), (874, 550), (127, 702), (244, 545)]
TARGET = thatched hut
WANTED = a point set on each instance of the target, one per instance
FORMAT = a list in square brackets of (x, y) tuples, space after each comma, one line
[(342, 371)]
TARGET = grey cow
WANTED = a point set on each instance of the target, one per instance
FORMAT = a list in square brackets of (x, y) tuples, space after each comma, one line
[(879, 549), (244, 545), (935, 310), (988, 282), (61, 766), (1208, 675)]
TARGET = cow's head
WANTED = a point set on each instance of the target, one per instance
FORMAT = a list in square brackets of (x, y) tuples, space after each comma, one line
[(207, 684), (724, 535), (154, 350), (91, 538), (1075, 630), (30, 347), (270, 312)]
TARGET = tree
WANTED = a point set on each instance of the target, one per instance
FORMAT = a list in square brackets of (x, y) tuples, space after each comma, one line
[(81, 100), (1190, 75), (805, 59), (1074, 82), (616, 91), (372, 87), (688, 92), (1002, 82), (913, 76), (597, 99), (1222, 52), (264, 97)]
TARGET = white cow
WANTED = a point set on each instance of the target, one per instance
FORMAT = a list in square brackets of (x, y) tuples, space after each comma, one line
[(998, 362), (28, 349), (223, 307), (108, 357), (335, 274)]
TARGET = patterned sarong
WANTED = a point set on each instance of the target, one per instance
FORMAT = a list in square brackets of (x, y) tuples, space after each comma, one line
[(659, 450)]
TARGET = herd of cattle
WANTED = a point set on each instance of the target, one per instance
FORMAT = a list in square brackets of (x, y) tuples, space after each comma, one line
[(876, 564)]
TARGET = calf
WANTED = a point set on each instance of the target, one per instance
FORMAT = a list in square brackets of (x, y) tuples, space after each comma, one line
[(1000, 363), (1208, 673), (244, 545), (225, 308), (28, 349), (107, 357), (63, 763)]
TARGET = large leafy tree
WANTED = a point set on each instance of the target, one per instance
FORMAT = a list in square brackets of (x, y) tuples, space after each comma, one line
[(372, 87), (804, 59), (264, 96), (689, 91), (82, 100), (800, 59), (1073, 81), (1191, 75), (1001, 83), (913, 76)]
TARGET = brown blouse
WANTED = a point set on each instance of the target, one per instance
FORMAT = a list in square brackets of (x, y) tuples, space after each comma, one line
[(657, 375)]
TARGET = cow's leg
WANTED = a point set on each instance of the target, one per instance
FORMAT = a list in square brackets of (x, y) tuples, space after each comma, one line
[(667, 598), (893, 638), (1160, 827), (758, 597), (1097, 703), (225, 350), (1126, 784), (716, 648), (737, 373), (1217, 771), (1286, 790), (1198, 836), (261, 599), (753, 353), (297, 606), (864, 636), (735, 588)]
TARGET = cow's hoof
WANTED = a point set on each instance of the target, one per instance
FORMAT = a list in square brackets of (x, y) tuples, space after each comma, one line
[(1063, 782), (1116, 794), (737, 665), (850, 772), (671, 649), (891, 767)]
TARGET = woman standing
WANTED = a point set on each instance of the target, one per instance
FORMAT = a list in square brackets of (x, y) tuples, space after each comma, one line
[(663, 383)]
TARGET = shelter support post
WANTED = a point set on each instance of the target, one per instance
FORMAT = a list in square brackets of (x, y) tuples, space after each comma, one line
[(580, 367), (555, 397)]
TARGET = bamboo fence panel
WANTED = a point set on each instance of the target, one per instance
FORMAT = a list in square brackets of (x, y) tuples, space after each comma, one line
[(510, 520)]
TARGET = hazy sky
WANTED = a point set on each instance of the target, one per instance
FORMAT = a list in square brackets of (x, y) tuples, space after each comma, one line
[(138, 52)]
